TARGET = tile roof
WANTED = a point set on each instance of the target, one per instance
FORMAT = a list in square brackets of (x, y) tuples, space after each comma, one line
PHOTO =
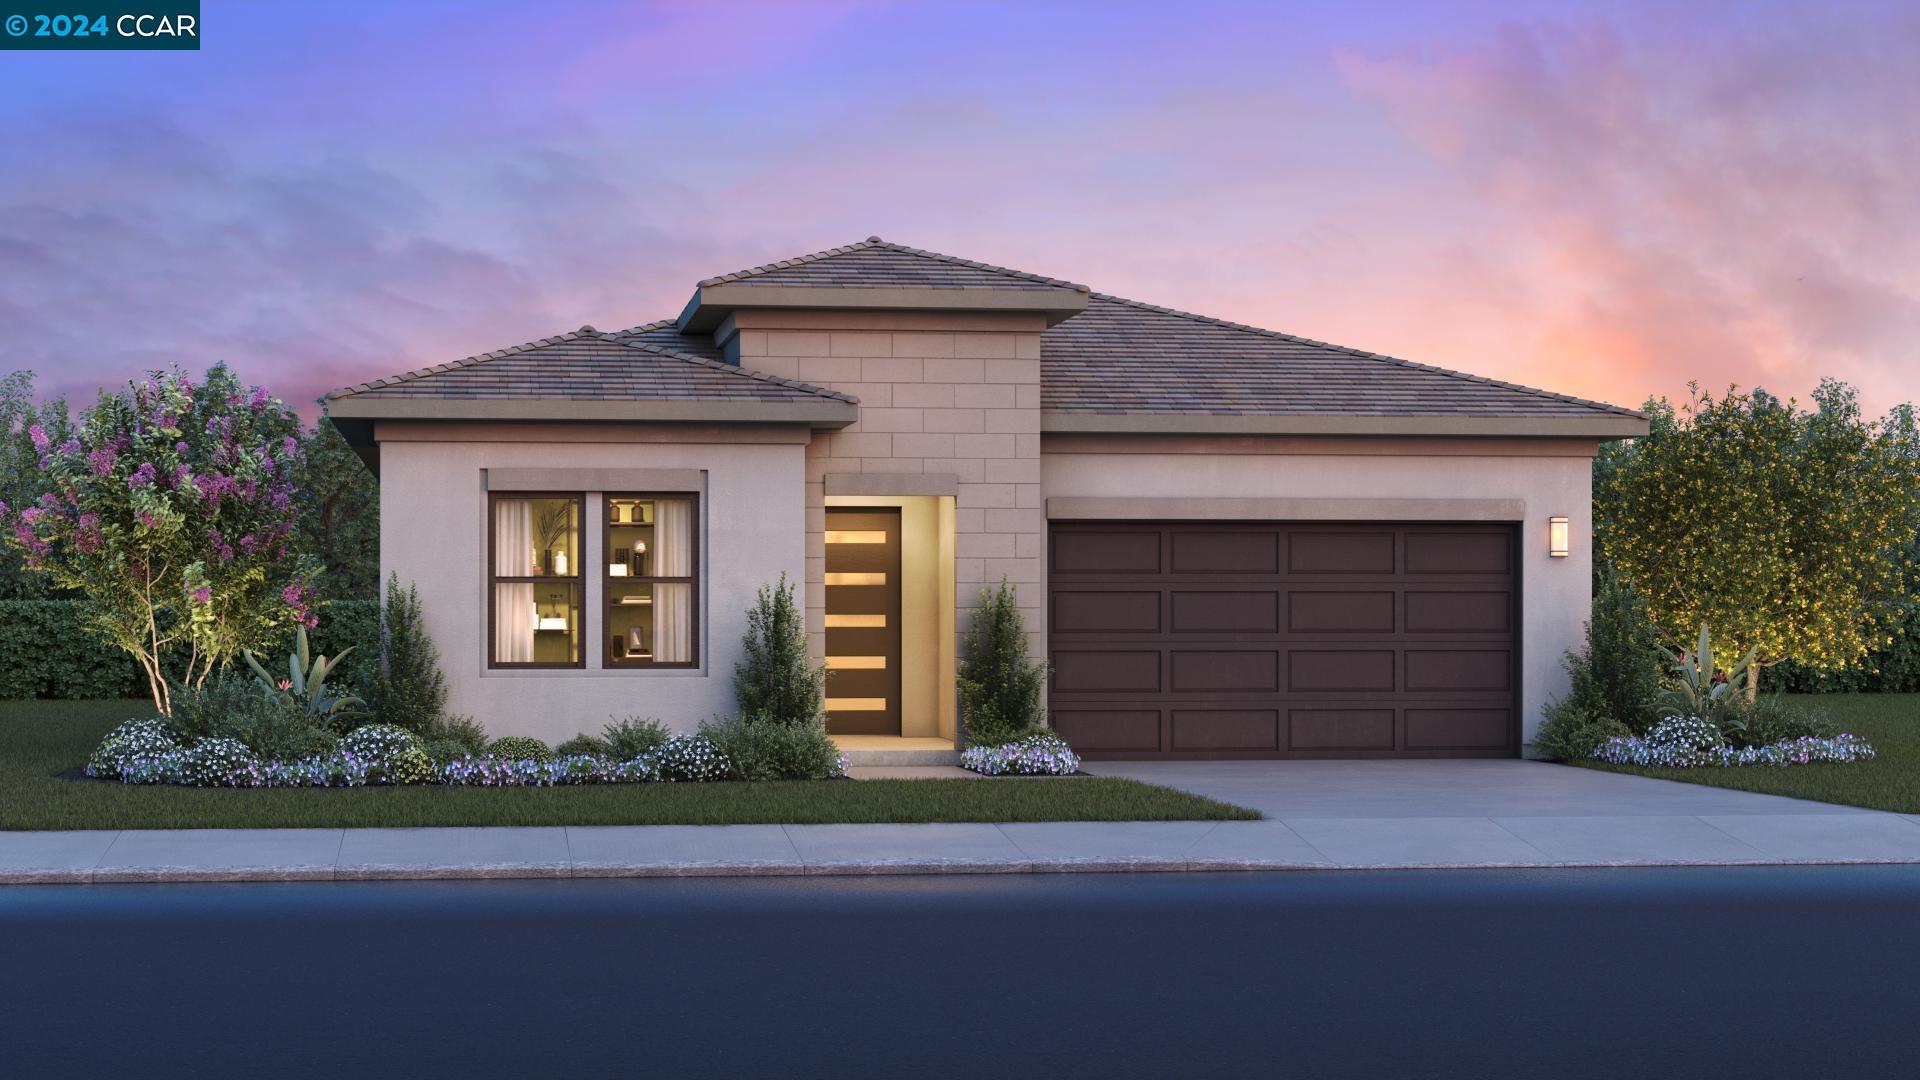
[(875, 264), (1123, 356), (587, 365), (667, 335)]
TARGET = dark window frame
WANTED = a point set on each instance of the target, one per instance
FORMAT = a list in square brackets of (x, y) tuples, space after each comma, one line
[(578, 579), (609, 580)]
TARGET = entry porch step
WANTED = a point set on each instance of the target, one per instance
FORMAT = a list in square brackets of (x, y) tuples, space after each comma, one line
[(883, 750)]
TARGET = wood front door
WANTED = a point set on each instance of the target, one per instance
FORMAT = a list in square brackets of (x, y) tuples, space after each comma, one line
[(863, 622)]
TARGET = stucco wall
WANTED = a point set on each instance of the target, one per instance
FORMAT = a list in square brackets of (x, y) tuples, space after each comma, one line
[(433, 532), (1555, 593)]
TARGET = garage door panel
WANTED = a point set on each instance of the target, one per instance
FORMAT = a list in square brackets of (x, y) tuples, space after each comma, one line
[(1448, 729), (1221, 671), (1346, 670), (1457, 552), (1226, 612), (1340, 553), (1106, 612), (1109, 730), (1340, 729), (1189, 639), (1106, 671), (1340, 612), (1106, 552), (1253, 552), (1226, 729), (1459, 669), (1459, 612)]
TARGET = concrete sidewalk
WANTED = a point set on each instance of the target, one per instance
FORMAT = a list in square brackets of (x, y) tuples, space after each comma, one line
[(1321, 816)]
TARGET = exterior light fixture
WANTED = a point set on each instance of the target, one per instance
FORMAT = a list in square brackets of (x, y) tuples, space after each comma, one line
[(1557, 537)]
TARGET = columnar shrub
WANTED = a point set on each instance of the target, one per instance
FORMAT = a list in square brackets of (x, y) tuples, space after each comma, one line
[(777, 681), (408, 690), (1002, 689), (170, 515)]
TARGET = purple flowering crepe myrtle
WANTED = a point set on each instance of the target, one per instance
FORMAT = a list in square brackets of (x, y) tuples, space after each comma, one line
[(170, 514)]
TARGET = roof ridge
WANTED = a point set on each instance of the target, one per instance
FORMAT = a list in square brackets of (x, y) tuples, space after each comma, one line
[(589, 333), (874, 242), (1381, 357)]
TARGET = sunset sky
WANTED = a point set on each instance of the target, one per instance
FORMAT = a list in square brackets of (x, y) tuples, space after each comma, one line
[(1599, 198)]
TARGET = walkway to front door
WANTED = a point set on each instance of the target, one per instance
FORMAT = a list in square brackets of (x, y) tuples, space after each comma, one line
[(863, 621)]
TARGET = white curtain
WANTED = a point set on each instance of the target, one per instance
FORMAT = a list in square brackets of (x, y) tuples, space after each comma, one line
[(513, 608), (673, 603)]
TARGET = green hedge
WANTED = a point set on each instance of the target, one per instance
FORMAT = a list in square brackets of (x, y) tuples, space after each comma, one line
[(45, 653)]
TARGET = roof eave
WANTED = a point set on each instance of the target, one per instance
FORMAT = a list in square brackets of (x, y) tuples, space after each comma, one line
[(823, 414), (1598, 426), (711, 304)]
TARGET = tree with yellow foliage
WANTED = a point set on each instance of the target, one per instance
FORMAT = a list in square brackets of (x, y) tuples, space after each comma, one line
[(1779, 528)]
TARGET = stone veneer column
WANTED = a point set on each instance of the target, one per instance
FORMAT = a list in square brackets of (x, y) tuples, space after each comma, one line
[(956, 394)]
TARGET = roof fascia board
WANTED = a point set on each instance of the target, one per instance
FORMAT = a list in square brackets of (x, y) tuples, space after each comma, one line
[(824, 413), (1600, 426), (711, 304)]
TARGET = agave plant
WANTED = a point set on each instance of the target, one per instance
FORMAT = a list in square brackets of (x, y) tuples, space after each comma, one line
[(306, 683), (1704, 688)]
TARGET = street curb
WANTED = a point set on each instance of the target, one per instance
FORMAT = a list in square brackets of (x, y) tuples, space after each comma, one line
[(500, 872)]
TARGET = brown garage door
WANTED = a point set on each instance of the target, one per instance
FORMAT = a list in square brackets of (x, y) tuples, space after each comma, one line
[(1268, 640)]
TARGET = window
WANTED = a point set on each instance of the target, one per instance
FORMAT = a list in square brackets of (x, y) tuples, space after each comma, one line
[(652, 545), (534, 604)]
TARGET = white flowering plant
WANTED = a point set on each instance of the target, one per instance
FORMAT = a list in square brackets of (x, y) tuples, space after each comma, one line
[(1039, 754)]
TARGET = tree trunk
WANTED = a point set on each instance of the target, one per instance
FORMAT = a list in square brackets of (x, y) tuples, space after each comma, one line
[(1753, 682)]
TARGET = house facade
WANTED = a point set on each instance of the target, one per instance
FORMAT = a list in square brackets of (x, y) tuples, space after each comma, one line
[(1227, 542)]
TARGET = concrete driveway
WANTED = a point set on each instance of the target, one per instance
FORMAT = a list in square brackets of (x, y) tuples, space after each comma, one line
[(1465, 813)]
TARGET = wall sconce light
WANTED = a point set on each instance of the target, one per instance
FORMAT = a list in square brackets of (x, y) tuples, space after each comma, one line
[(1557, 537)]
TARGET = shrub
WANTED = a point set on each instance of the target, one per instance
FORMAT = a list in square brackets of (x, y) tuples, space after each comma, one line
[(273, 727), (409, 690), (1618, 675), (690, 758), (582, 745), (464, 730), (1771, 719), (133, 740), (379, 743), (410, 766), (215, 762), (441, 751), (1570, 733), (759, 749), (633, 737), (46, 652), (520, 748), (1002, 690), (200, 711), (1037, 754), (777, 681)]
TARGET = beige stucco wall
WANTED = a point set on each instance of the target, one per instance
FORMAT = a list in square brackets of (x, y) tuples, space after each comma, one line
[(940, 393), (1555, 593), (433, 532)]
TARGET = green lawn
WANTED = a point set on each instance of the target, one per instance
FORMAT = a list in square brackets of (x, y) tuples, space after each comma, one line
[(39, 739), (1891, 781)]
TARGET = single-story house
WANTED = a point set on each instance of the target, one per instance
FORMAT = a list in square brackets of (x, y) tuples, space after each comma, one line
[(1228, 542)]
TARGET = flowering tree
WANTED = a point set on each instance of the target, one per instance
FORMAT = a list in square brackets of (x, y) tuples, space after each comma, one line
[(170, 514), (1780, 529)]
